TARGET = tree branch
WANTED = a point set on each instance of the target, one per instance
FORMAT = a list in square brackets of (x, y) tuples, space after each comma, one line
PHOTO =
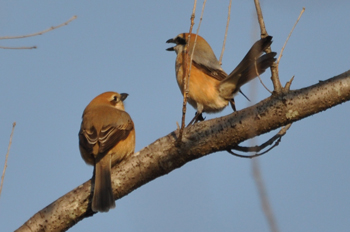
[(162, 156), (32, 47), (6, 157), (186, 76), (274, 68), (227, 23), (290, 33), (265, 204), (40, 32)]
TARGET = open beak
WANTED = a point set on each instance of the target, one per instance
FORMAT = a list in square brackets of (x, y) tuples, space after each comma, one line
[(170, 41)]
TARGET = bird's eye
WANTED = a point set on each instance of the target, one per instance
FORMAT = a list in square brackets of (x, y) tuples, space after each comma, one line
[(180, 40), (115, 98)]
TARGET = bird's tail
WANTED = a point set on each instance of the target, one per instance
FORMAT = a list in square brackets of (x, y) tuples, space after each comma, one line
[(102, 199), (252, 65)]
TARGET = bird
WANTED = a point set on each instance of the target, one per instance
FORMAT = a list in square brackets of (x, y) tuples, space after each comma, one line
[(106, 137), (210, 87)]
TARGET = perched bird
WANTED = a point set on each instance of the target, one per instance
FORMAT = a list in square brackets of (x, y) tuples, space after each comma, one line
[(106, 137), (210, 88)]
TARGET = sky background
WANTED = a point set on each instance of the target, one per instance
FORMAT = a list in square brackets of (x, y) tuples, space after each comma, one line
[(120, 46)]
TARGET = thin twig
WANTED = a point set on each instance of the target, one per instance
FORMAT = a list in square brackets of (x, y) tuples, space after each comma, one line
[(263, 195), (290, 33), (260, 19), (255, 165), (257, 73), (40, 32), (228, 22), (33, 47), (288, 84), (258, 177), (184, 103), (274, 68), (177, 126), (195, 42), (187, 74), (7, 155)]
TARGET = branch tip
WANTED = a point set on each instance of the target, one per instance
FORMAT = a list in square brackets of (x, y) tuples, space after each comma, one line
[(40, 32)]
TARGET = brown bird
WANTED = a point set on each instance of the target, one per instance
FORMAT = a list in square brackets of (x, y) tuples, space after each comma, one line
[(210, 88), (106, 137)]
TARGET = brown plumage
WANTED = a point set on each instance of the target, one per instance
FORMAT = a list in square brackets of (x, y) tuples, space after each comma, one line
[(106, 137), (210, 88)]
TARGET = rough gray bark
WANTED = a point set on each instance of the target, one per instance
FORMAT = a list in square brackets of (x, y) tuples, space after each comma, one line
[(162, 157)]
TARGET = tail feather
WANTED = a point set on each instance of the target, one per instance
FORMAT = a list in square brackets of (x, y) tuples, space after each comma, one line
[(255, 69), (103, 200), (255, 51), (246, 69)]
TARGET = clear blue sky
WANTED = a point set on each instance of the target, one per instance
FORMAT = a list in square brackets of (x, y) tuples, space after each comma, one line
[(120, 46)]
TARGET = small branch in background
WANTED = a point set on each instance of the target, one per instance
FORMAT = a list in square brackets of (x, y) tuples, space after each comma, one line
[(7, 155), (255, 164), (265, 204), (227, 24), (33, 47), (34, 34), (263, 196), (40, 32), (274, 68), (288, 84), (195, 42), (290, 33)]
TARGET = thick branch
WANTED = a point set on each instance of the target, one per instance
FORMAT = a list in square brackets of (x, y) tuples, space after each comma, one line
[(162, 156)]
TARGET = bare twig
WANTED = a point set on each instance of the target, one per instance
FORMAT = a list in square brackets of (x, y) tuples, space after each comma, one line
[(185, 74), (188, 68), (260, 19), (7, 155), (274, 68), (290, 33), (257, 173), (257, 73), (263, 195), (288, 84), (255, 165), (33, 47), (228, 22), (195, 42), (40, 32), (177, 126)]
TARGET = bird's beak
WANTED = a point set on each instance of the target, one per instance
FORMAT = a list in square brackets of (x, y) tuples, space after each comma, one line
[(170, 41), (123, 96)]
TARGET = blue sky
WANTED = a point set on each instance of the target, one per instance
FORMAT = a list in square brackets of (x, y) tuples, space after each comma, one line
[(120, 46)]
